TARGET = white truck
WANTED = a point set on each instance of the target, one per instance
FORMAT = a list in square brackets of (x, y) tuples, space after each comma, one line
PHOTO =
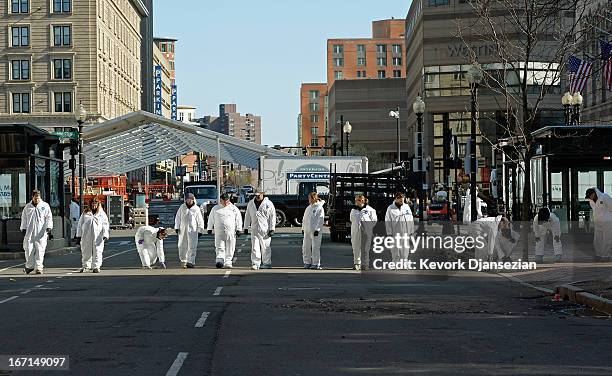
[(288, 181)]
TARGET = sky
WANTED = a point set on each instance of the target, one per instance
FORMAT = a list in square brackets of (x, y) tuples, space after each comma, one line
[(257, 53)]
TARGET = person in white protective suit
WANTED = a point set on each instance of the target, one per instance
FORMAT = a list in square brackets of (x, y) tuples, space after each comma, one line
[(150, 245), (188, 224), (363, 219), (506, 240), (312, 224), (260, 220), (543, 223), (226, 220), (601, 204), (399, 221), (467, 207), (487, 228), (36, 226), (92, 234), (75, 214)]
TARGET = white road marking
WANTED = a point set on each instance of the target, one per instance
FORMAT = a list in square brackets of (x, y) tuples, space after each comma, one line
[(38, 286), (50, 281), (240, 250), (125, 242), (202, 320), (9, 299), (117, 254), (60, 277), (178, 363), (218, 291), (25, 292), (11, 267), (227, 274)]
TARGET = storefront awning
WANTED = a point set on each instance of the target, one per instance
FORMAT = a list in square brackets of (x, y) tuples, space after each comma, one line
[(142, 139)]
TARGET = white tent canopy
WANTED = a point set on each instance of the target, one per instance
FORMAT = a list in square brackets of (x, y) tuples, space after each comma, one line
[(142, 139)]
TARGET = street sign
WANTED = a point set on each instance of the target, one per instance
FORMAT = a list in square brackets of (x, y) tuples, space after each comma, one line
[(68, 135)]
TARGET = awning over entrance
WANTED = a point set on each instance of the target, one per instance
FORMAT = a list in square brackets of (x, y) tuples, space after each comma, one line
[(142, 139)]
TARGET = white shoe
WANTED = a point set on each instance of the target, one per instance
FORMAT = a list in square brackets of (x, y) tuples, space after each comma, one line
[(255, 267), (147, 268), (228, 265), (184, 265)]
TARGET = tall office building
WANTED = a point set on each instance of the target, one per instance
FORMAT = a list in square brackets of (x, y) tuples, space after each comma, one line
[(245, 127), (313, 115), (58, 54)]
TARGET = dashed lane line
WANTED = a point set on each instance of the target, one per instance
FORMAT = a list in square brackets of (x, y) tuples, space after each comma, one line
[(202, 320), (218, 291), (8, 299), (178, 363), (227, 274)]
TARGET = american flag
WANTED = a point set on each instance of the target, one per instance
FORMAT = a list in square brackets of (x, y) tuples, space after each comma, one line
[(579, 72), (606, 55)]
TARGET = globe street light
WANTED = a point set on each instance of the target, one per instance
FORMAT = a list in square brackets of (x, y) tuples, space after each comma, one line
[(347, 129), (419, 109), (396, 115), (81, 117), (566, 100), (474, 76), (576, 102)]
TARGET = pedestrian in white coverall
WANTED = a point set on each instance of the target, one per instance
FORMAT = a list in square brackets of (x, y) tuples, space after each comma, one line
[(260, 220), (543, 223), (506, 240), (399, 221), (188, 224), (36, 226), (150, 245), (312, 224), (92, 234), (75, 214), (363, 219), (226, 221), (488, 229), (601, 204), (467, 207)]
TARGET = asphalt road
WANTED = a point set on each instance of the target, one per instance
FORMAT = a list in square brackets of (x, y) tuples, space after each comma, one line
[(290, 321)]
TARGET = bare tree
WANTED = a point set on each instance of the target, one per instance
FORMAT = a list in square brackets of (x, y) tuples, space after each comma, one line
[(528, 43)]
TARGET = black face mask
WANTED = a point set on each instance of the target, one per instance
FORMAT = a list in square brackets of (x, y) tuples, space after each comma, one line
[(189, 205), (399, 206)]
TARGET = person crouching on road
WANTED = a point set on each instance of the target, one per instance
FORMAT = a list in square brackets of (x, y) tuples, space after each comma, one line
[(188, 223), (399, 221), (506, 240), (226, 220), (92, 233), (312, 223), (544, 222), (150, 245), (601, 203), (36, 226), (363, 220), (260, 219)]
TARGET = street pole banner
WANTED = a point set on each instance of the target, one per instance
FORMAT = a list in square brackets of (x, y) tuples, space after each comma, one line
[(173, 101), (6, 195), (158, 90)]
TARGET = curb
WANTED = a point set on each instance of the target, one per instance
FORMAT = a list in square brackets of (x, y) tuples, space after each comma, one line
[(52, 253), (580, 296)]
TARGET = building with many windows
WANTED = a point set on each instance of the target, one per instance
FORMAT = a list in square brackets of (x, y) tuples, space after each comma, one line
[(313, 116), (59, 53), (245, 127)]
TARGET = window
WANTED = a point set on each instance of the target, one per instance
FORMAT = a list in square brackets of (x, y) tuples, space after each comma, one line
[(381, 61), (338, 75), (361, 61), (20, 69), (314, 95), (381, 48), (397, 61), (382, 74), (338, 49), (397, 48), (20, 6), (163, 47), (63, 102), (62, 36), (314, 131), (314, 142), (61, 6), (361, 74), (21, 103), (338, 62), (171, 47), (62, 69), (314, 107), (435, 3), (20, 36), (397, 73), (361, 48), (314, 119)]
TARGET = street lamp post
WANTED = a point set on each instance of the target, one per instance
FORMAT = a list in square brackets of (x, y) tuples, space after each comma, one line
[(566, 100), (419, 109), (81, 117), (340, 123), (577, 102), (474, 76), (347, 129), (396, 115)]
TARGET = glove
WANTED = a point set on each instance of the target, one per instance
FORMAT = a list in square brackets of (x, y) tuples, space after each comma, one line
[(78, 240), (246, 231), (557, 239), (209, 232), (48, 231), (49, 234), (537, 239), (141, 241), (238, 233), (316, 233), (270, 233), (23, 232), (302, 232), (178, 231), (105, 239)]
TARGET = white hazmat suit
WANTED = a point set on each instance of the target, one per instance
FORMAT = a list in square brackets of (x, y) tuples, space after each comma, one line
[(260, 221), (312, 221), (362, 229), (602, 218), (225, 221), (506, 242), (150, 247), (93, 228), (75, 214), (190, 222), (399, 221), (487, 228), (35, 220), (541, 231), (467, 207)]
